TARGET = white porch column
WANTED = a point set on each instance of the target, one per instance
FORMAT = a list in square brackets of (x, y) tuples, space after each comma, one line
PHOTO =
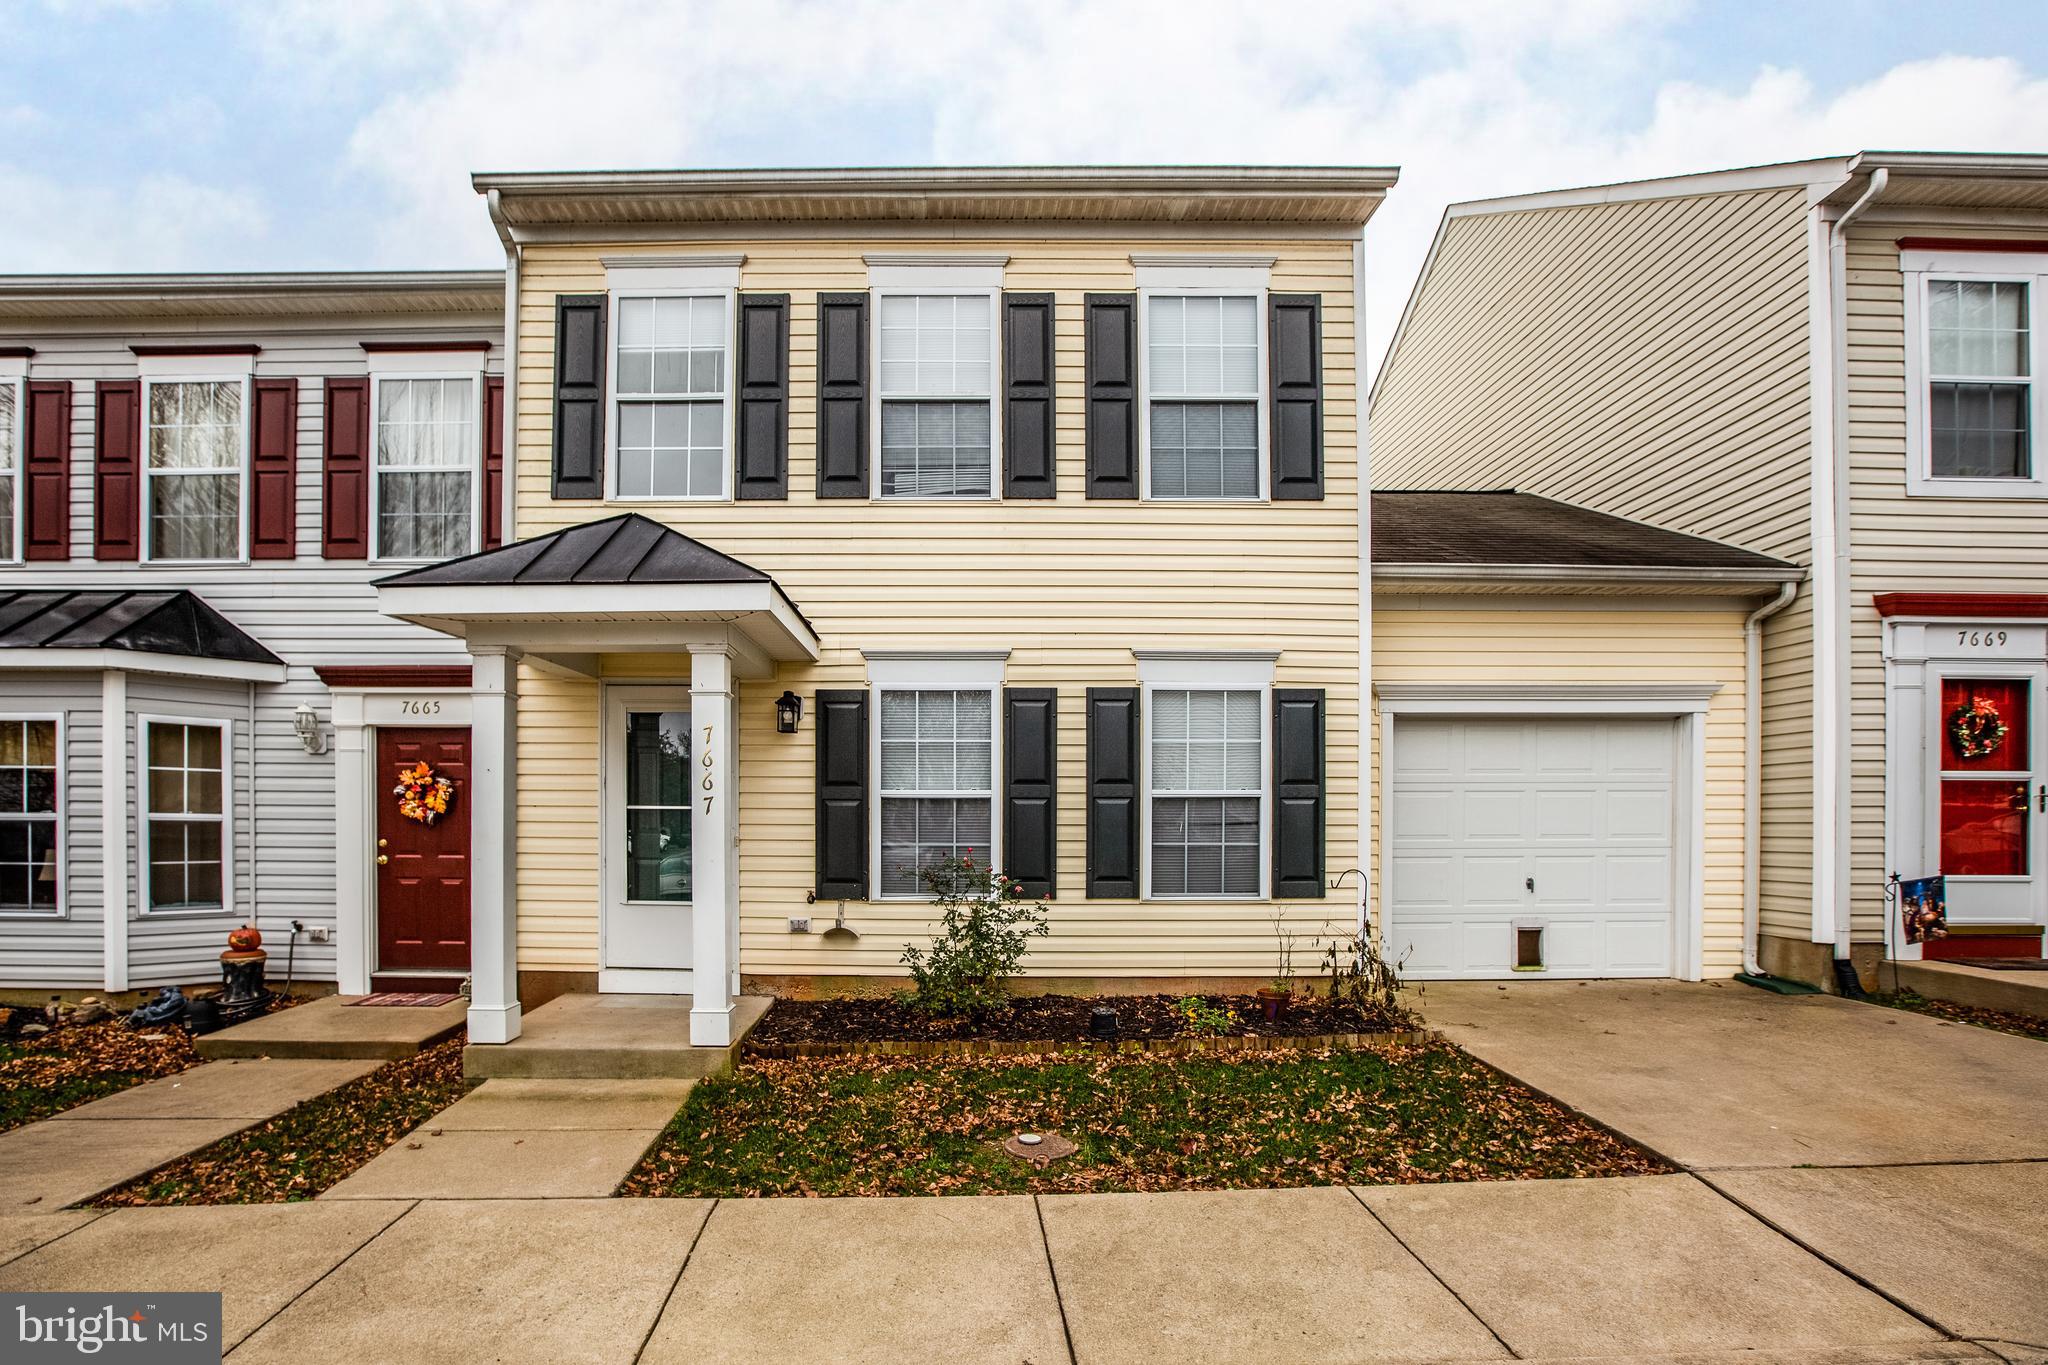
[(493, 904), (353, 923), (714, 830), (114, 863)]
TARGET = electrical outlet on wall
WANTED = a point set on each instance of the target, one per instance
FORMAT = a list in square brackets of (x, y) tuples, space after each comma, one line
[(799, 924), (319, 933)]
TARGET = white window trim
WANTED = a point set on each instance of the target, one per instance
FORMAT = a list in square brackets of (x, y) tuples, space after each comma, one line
[(16, 379), (63, 907), (1195, 282), (619, 702), (1919, 269), (474, 468), (681, 282), (226, 817), (1164, 681), (241, 471), (916, 671), (982, 279)]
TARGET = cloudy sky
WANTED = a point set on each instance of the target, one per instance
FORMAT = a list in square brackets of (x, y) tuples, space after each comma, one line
[(334, 134)]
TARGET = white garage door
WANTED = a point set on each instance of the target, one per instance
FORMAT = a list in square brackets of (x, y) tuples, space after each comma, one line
[(1564, 825)]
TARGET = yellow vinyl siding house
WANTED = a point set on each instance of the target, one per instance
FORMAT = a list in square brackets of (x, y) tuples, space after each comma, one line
[(1745, 355), (1037, 490)]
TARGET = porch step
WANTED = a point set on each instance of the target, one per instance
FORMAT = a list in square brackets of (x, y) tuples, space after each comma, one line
[(332, 1027), (611, 1037), (1961, 984)]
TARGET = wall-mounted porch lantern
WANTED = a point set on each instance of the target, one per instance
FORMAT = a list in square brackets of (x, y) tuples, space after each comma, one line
[(306, 725), (789, 709)]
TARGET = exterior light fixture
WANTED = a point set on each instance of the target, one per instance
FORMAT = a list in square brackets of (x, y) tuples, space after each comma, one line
[(306, 724), (789, 709)]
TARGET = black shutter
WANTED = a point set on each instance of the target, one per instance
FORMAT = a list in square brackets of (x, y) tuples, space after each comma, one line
[(1030, 759), (1028, 438), (842, 725), (842, 395), (1295, 334), (1111, 327), (1113, 792), (580, 334), (763, 424), (1298, 792)]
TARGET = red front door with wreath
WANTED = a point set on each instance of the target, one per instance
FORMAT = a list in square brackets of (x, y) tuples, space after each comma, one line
[(422, 866)]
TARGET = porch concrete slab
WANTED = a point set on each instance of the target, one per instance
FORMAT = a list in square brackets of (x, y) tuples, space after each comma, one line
[(579, 1106), (883, 1280), (559, 1281), (47, 1165), (21, 1233), (446, 1163), (258, 1257), (251, 1090), (612, 1037), (333, 1027), (1300, 1274), (1648, 1265), (1962, 984), (1721, 1075), (1965, 1246)]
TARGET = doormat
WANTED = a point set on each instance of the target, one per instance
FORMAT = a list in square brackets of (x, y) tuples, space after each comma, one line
[(2002, 964), (421, 999)]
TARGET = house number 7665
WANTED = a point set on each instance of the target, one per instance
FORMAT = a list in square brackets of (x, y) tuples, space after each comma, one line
[(709, 786)]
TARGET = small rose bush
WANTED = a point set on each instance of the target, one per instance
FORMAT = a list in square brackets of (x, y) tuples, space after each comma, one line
[(986, 926)]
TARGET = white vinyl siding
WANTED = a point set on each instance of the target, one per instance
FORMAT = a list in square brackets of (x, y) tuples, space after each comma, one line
[(1202, 384), (672, 374), (1205, 774), (428, 451), (31, 852), (186, 830), (12, 408), (937, 373), (937, 788), (193, 454)]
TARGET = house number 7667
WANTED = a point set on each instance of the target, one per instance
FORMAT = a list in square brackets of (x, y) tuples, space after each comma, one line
[(709, 786)]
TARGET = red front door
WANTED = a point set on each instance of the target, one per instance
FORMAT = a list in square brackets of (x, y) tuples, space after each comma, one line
[(422, 870)]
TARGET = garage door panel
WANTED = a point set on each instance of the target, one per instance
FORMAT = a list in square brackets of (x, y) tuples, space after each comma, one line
[(1484, 946), (1639, 750), (1638, 947), (1495, 815), (1564, 749), (1571, 948), (1638, 812), (1638, 881), (1493, 752), (1425, 815), (1570, 816), (1485, 881), (1564, 881), (1431, 950), (1427, 883), (1424, 750)]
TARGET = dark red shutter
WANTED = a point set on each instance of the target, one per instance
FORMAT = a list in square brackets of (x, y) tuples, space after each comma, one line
[(345, 471), (274, 471), (47, 472), (117, 470), (494, 462)]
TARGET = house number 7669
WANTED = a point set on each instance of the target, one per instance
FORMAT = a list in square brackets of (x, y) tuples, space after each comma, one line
[(709, 786), (1980, 639)]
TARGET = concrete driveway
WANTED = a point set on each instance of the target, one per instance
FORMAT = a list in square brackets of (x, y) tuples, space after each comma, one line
[(1906, 1151)]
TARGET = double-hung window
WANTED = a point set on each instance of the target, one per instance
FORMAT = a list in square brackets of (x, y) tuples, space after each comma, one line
[(1206, 792), (937, 790), (13, 411), (29, 832), (197, 435), (1974, 378), (429, 446), (937, 385), (671, 373), (1202, 383), (185, 794)]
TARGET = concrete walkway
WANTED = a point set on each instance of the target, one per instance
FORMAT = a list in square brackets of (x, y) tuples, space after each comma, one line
[(85, 1151)]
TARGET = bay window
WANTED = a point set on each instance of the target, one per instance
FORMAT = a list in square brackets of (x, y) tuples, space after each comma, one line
[(1202, 381), (1205, 766), (672, 374), (937, 789), (937, 388), (29, 833), (429, 446), (196, 437), (1973, 379), (185, 837)]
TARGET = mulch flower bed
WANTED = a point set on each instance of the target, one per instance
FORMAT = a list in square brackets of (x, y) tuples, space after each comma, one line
[(46, 1073), (800, 1024), (1245, 1120), (312, 1146), (2004, 1021)]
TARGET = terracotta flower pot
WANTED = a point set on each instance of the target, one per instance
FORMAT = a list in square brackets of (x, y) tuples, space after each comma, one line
[(1273, 1003)]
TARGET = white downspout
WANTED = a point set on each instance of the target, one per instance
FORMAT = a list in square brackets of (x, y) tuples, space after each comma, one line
[(513, 252), (1365, 707), (1831, 559), (1752, 771)]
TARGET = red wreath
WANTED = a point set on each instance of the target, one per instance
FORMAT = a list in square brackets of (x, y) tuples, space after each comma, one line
[(1976, 728)]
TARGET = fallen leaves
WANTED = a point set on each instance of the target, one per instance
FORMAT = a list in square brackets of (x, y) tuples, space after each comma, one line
[(75, 1063)]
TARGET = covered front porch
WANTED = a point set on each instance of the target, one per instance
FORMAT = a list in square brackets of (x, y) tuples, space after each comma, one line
[(577, 604)]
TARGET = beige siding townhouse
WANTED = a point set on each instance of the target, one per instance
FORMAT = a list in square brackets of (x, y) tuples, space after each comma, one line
[(1832, 362), (860, 518)]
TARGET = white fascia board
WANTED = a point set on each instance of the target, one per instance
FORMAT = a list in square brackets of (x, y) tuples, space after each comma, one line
[(1782, 175), (1568, 573), (451, 608), (1521, 698), (138, 661)]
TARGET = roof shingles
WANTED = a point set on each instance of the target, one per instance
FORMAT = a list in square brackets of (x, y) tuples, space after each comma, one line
[(1505, 529)]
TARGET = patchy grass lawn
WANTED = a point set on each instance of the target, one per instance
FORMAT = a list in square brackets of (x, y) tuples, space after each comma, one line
[(74, 1064), (896, 1126), (2004, 1021), (311, 1146)]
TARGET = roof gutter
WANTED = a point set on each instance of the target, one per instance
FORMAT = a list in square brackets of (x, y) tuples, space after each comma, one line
[(513, 255), (1590, 575), (1753, 770)]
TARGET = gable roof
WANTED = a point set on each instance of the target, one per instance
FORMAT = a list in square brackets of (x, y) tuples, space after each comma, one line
[(1478, 534), (177, 624)]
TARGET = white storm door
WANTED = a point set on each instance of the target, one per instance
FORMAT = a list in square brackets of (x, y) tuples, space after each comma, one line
[(1562, 824), (1985, 821), (646, 829)]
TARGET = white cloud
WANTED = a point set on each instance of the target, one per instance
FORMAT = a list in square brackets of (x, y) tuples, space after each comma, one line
[(161, 222)]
